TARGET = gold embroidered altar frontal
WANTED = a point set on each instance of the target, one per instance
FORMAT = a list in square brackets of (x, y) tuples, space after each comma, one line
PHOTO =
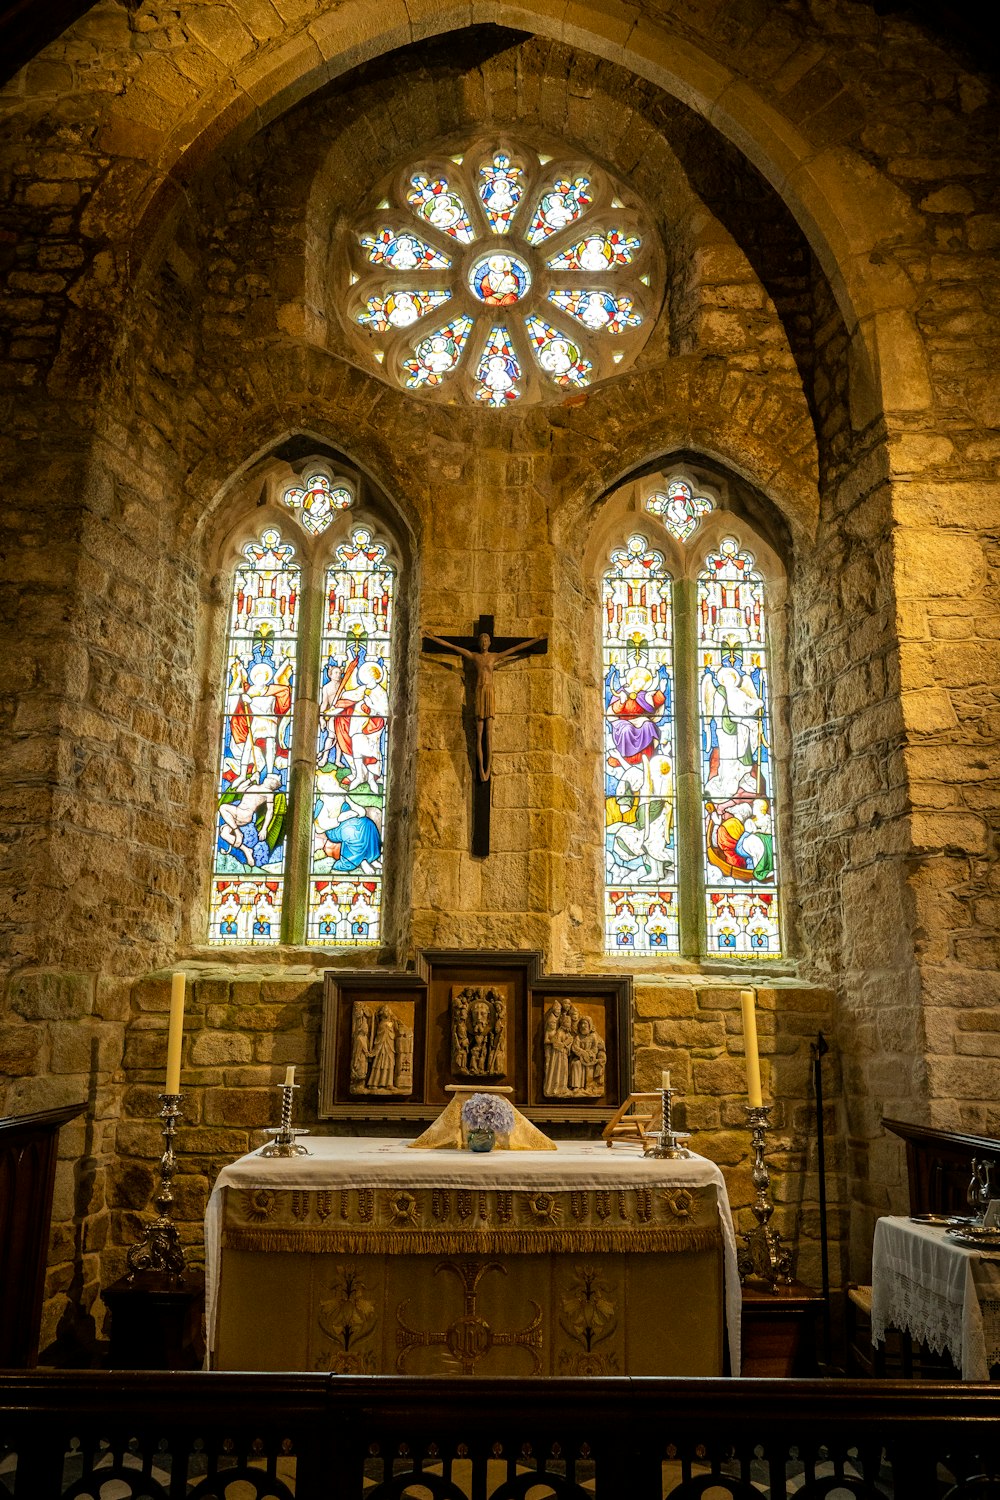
[(447, 1277)]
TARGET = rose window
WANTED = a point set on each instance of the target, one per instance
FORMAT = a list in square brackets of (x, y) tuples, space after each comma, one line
[(502, 275)]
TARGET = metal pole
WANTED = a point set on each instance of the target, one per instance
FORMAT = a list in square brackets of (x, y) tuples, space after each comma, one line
[(819, 1048)]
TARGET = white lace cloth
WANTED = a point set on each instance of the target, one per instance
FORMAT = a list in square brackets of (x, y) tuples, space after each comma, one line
[(941, 1294), (369, 1161)]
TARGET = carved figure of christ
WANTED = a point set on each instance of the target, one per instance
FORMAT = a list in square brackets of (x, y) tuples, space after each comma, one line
[(485, 654)]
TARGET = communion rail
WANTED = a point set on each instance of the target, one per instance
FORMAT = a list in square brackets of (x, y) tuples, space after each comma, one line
[(144, 1436)]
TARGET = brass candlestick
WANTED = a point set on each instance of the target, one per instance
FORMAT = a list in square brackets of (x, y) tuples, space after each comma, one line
[(666, 1143), (763, 1254), (284, 1143), (160, 1249)]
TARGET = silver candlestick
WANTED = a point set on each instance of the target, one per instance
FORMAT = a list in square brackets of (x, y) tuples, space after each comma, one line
[(284, 1143), (763, 1254), (667, 1142), (160, 1249)]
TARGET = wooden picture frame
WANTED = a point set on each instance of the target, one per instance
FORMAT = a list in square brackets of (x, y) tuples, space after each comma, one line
[(390, 1043)]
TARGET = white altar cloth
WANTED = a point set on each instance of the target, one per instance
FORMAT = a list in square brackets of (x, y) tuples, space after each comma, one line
[(940, 1293), (337, 1162)]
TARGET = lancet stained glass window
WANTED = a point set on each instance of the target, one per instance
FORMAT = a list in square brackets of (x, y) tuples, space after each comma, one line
[(252, 813), (691, 863), (736, 767), (345, 897), (500, 276), (640, 846), (337, 874)]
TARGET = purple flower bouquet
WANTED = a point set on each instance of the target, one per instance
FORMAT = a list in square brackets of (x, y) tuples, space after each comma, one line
[(488, 1112)]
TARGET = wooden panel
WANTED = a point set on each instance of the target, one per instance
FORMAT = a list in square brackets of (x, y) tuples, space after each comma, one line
[(27, 1175), (939, 1165)]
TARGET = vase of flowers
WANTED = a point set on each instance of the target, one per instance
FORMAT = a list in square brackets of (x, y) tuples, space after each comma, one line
[(485, 1116)]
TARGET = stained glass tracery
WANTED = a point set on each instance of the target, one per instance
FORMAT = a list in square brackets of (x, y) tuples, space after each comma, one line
[(317, 501), (507, 227), (559, 206), (598, 310), (498, 371), (501, 188), (438, 354), (402, 251), (557, 354), (738, 805), (400, 309), (640, 846), (438, 203), (679, 508), (596, 252)]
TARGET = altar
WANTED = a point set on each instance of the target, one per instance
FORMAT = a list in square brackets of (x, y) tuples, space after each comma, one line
[(367, 1257)]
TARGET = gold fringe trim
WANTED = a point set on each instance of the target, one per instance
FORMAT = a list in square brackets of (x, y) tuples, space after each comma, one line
[(470, 1241)]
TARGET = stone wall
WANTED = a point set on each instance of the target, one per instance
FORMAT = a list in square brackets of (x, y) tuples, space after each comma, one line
[(824, 185)]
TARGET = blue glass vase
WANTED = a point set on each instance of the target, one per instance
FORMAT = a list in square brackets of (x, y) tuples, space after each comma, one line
[(481, 1140)]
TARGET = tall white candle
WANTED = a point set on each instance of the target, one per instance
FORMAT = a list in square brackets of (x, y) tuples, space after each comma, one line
[(175, 1035), (665, 1080), (289, 1075), (750, 1046)]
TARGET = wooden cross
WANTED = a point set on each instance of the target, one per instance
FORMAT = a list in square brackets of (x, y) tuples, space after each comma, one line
[(484, 653)]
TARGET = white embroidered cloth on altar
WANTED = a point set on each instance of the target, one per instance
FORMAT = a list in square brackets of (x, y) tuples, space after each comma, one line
[(341, 1162), (938, 1292)]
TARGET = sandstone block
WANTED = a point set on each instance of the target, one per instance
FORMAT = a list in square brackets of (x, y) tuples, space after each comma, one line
[(932, 563), (43, 996), (664, 1000), (214, 1048), (245, 1107), (720, 1076), (87, 1048), (20, 1049)]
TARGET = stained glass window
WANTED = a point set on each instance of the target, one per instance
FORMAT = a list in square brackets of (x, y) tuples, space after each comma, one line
[(640, 800), (679, 508), (738, 804), (500, 230), (345, 876), (256, 865), (711, 888), (251, 814)]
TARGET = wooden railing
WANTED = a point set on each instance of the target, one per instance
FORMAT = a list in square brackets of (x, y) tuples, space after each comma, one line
[(142, 1436)]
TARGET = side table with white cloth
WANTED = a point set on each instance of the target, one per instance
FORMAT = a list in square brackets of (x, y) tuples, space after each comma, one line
[(368, 1257), (937, 1291)]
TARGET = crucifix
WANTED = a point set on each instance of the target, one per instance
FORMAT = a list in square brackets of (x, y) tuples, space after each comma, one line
[(485, 653)]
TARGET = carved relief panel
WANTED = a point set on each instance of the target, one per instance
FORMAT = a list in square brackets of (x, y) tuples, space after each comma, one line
[(382, 1047), (479, 1031)]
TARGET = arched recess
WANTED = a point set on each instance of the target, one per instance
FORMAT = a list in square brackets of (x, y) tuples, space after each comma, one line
[(829, 192), (303, 738), (668, 895)]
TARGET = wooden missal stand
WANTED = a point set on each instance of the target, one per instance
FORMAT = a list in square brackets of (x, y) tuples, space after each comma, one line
[(156, 1321), (638, 1119)]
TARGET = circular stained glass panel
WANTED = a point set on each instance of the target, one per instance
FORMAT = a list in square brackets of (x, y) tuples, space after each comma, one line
[(499, 279), (502, 275)]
